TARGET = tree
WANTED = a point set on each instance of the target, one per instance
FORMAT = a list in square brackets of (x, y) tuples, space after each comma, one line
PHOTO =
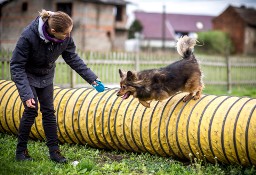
[(136, 26), (215, 42)]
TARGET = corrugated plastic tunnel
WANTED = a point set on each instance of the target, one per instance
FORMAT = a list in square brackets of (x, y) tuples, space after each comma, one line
[(213, 128)]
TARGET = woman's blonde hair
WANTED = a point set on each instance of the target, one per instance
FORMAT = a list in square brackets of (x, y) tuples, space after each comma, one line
[(59, 21)]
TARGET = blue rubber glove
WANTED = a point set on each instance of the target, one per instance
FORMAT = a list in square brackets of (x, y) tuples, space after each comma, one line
[(100, 87)]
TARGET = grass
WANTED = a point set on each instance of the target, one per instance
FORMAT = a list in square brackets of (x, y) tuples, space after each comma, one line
[(96, 162), (241, 91)]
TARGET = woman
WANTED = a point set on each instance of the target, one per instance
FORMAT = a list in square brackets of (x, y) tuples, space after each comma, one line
[(32, 69)]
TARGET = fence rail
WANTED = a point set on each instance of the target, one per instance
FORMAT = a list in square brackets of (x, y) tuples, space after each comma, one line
[(217, 70)]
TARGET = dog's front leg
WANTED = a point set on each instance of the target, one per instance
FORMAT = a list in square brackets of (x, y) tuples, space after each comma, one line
[(144, 103), (198, 93), (188, 97)]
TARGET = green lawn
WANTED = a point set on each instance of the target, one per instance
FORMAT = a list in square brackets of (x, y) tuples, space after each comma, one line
[(95, 161), (241, 91)]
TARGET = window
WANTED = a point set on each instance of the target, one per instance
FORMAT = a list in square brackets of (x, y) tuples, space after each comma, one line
[(65, 7), (119, 13), (24, 7)]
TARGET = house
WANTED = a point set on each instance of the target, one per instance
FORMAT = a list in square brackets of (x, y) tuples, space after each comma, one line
[(175, 25), (240, 24), (99, 25)]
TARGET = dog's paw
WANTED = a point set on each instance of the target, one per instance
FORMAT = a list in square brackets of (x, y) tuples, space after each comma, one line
[(196, 97), (147, 106), (144, 103)]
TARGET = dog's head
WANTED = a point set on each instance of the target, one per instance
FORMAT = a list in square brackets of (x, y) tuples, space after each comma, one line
[(127, 84)]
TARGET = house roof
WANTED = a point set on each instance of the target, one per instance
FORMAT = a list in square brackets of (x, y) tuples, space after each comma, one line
[(152, 24), (115, 2), (247, 14)]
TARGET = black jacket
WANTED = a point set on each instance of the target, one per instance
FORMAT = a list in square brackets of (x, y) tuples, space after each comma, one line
[(33, 61)]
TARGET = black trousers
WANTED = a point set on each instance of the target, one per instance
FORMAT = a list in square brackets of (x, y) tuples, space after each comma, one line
[(45, 97)]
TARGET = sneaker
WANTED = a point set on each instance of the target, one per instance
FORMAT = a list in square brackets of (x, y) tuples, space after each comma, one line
[(23, 156), (57, 157)]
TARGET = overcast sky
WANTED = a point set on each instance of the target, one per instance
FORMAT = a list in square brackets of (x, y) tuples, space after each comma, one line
[(201, 7)]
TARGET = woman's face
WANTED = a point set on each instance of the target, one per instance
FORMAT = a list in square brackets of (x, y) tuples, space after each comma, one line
[(62, 35)]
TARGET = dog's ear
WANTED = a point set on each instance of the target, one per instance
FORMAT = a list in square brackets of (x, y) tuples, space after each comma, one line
[(131, 76), (121, 73)]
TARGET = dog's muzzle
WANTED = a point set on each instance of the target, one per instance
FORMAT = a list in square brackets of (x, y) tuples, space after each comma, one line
[(125, 96)]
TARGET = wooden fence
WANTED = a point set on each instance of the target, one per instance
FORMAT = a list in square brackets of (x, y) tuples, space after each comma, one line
[(217, 70)]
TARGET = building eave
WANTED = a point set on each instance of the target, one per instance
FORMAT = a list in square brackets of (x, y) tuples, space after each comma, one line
[(110, 2)]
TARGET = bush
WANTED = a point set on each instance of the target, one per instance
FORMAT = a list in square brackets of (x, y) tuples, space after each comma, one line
[(215, 42), (135, 27)]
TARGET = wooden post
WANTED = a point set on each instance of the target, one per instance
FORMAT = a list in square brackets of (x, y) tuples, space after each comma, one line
[(229, 83), (2, 68), (8, 62), (137, 61), (73, 78)]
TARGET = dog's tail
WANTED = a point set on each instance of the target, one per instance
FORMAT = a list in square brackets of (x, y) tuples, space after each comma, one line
[(185, 46)]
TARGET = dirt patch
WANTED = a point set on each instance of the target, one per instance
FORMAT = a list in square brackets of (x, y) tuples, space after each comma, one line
[(113, 157)]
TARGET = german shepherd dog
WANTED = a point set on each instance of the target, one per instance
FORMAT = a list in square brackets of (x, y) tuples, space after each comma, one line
[(159, 84)]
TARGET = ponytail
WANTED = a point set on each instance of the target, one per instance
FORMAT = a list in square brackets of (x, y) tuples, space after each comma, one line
[(45, 14)]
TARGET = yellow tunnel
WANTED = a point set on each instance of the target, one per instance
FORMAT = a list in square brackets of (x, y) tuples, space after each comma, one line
[(221, 128)]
